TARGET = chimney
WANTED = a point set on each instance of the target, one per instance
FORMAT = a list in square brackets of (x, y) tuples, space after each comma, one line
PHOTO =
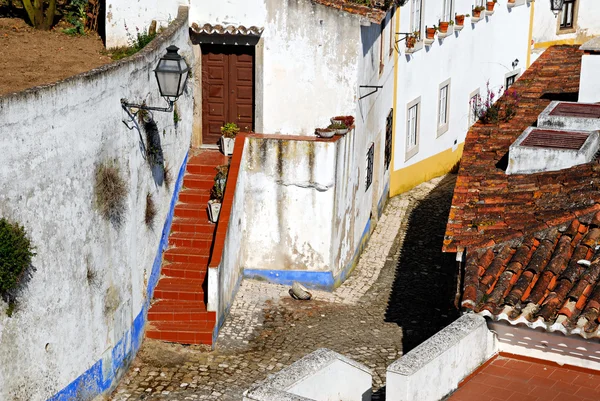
[(589, 83)]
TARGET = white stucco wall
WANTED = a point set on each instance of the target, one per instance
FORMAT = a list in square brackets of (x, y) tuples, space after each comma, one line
[(322, 375), (436, 367), (137, 14), (589, 84), (479, 53), (546, 24), (53, 137)]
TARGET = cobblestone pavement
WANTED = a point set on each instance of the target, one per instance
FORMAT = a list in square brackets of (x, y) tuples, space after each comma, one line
[(267, 330)]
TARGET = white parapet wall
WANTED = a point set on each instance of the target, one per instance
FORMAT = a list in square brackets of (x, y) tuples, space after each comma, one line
[(320, 376), (435, 368), (80, 319), (589, 83)]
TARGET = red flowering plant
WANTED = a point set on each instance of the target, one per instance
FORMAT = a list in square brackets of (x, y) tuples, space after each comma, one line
[(492, 111)]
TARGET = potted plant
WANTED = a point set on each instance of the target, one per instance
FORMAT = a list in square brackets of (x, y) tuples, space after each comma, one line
[(228, 131), (430, 32), (443, 27), (490, 5), (339, 127), (325, 132), (460, 19), (216, 193), (412, 39), (477, 11), (348, 120)]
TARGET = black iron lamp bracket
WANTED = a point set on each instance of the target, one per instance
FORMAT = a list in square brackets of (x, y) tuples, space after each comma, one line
[(406, 35), (127, 105), (374, 87)]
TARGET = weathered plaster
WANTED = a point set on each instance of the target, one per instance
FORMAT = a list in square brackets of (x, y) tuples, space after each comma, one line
[(73, 333)]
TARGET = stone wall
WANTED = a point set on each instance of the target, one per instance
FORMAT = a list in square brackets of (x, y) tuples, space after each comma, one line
[(80, 319)]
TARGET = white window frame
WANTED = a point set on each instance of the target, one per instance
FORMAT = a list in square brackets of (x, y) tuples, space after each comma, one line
[(443, 108), (392, 30), (412, 147), (472, 117), (514, 73), (447, 10), (575, 15), (416, 24)]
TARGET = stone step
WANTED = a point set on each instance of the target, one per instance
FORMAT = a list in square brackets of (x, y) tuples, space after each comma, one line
[(195, 271), (182, 289), (193, 335), (186, 255), (189, 210), (194, 196), (196, 181), (180, 311), (191, 240), (192, 225)]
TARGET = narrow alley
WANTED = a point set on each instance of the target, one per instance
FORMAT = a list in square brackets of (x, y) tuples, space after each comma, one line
[(400, 293)]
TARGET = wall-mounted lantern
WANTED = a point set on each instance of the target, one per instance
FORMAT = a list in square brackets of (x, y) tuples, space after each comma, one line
[(171, 74), (556, 6)]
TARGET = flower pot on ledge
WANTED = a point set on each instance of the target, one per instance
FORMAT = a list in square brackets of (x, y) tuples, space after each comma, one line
[(489, 6), (227, 145), (214, 209)]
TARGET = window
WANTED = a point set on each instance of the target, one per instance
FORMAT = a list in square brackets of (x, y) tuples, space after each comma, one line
[(567, 15), (443, 107), (389, 126), (412, 128), (511, 77), (447, 10), (416, 15), (381, 47), (473, 106), (370, 157)]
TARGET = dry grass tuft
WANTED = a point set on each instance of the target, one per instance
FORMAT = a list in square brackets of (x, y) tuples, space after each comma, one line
[(150, 214), (167, 176), (111, 193)]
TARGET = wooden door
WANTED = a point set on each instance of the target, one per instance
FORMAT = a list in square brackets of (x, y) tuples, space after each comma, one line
[(227, 89)]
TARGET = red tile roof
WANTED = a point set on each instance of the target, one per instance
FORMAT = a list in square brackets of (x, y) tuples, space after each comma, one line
[(490, 207), (541, 280), (373, 14)]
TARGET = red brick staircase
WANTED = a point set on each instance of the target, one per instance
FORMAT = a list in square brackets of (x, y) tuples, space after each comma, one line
[(178, 311)]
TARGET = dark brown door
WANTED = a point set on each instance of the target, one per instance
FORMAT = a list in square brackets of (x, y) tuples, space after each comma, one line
[(227, 89)]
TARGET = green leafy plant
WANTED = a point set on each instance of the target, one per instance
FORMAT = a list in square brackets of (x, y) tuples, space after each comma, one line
[(490, 111), (218, 189), (76, 15), (176, 118), (135, 43), (16, 253), (230, 130), (338, 125), (111, 193)]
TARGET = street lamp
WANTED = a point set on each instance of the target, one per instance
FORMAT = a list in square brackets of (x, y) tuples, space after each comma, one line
[(171, 74), (556, 6)]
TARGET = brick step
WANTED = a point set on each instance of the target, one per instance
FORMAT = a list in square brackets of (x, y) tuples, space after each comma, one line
[(180, 311), (191, 240), (190, 210), (186, 255), (197, 181), (195, 196), (192, 225), (181, 337), (185, 270), (209, 158), (202, 168), (177, 288)]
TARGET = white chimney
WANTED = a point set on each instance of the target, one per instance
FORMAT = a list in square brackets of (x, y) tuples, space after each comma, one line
[(589, 82)]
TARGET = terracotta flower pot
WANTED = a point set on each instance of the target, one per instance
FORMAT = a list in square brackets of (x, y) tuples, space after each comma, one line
[(490, 5), (460, 19), (430, 33), (476, 13), (444, 27), (410, 42)]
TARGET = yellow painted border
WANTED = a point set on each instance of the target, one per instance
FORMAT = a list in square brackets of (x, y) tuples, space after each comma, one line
[(545, 45), (409, 177), (530, 38), (395, 102)]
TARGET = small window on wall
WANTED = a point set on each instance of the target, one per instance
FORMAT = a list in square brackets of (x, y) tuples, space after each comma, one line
[(389, 125), (474, 100), (510, 80), (416, 15), (370, 157), (443, 107), (412, 127), (567, 16)]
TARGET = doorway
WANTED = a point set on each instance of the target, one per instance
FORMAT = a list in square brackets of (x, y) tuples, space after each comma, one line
[(227, 89)]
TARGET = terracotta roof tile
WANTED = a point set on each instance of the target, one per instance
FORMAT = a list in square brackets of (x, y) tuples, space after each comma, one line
[(374, 14), (489, 205), (539, 278)]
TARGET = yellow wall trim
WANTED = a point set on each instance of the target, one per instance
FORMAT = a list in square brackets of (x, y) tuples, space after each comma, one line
[(530, 36), (545, 45), (409, 177)]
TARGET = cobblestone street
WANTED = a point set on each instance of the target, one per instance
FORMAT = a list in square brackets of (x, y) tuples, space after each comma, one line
[(400, 293)]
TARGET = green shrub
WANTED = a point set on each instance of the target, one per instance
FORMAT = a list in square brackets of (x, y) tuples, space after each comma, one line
[(15, 256)]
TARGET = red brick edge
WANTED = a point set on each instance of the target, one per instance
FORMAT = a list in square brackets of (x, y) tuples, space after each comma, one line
[(227, 204)]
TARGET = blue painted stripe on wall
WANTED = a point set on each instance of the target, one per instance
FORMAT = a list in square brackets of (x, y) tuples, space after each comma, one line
[(317, 280), (93, 381), (313, 280)]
